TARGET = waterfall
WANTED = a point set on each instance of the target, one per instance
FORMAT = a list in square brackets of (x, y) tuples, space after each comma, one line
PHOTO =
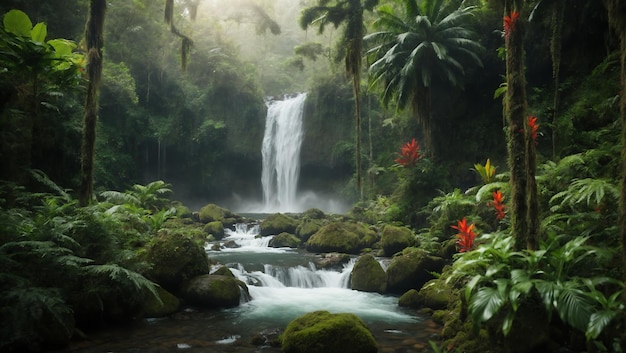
[(281, 153)]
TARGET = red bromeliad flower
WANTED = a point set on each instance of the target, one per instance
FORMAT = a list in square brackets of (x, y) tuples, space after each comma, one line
[(509, 23), (465, 236), (498, 204), (409, 153), (532, 123)]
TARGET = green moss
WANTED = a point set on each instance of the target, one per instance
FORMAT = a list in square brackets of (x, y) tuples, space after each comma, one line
[(412, 269), (307, 228), (175, 258), (395, 239), (167, 305), (215, 228), (323, 332), (278, 223), (224, 271), (285, 240), (346, 237), (212, 213), (410, 299), (213, 291), (368, 275)]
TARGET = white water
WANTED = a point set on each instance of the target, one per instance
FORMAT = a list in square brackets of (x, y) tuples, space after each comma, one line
[(281, 153), (283, 289)]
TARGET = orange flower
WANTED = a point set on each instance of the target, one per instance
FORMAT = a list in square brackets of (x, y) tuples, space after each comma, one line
[(532, 123), (509, 23), (409, 153), (465, 236), (498, 204)]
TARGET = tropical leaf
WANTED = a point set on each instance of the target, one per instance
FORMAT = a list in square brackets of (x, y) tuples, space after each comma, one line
[(486, 303), (574, 306)]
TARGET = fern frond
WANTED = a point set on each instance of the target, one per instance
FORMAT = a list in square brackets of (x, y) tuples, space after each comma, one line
[(125, 277)]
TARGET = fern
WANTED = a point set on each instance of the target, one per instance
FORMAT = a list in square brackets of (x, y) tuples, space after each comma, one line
[(125, 278)]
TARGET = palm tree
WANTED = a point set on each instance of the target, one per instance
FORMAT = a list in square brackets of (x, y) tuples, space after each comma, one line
[(350, 13), (422, 44)]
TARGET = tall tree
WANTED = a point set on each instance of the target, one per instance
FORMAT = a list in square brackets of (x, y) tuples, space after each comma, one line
[(350, 13), (424, 43), (94, 41), (521, 146), (617, 19)]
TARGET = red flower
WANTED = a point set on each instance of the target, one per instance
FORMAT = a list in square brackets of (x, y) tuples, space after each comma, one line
[(509, 23), (465, 236), (497, 204), (409, 153), (532, 123)]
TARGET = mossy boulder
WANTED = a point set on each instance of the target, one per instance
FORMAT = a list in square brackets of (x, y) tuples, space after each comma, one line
[(223, 271), (395, 239), (166, 304), (368, 275), (215, 229), (213, 212), (345, 237), (323, 332), (284, 240), (278, 223), (307, 227), (213, 291), (175, 259), (410, 299), (435, 294), (412, 270), (314, 213)]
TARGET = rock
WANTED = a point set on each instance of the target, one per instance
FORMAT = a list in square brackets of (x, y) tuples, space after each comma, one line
[(323, 332), (334, 261), (215, 228), (435, 294), (167, 305), (284, 240), (213, 291), (307, 228), (212, 213), (277, 223), (314, 213), (395, 239), (175, 259), (345, 237), (224, 271), (368, 275), (410, 299), (411, 270)]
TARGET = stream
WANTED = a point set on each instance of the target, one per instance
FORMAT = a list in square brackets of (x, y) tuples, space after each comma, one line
[(284, 284)]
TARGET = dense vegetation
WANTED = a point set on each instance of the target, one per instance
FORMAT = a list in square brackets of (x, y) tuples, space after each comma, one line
[(501, 119)]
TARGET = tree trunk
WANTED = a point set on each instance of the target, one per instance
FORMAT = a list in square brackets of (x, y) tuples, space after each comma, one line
[(555, 50), (94, 40), (515, 111)]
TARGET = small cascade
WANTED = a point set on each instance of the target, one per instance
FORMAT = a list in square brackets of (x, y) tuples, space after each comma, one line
[(281, 153)]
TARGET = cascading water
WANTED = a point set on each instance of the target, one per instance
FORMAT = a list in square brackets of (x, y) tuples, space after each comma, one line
[(281, 153)]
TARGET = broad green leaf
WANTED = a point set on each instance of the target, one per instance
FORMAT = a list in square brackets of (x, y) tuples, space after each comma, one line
[(507, 324), (574, 307), (598, 322), (62, 47), (39, 32), (18, 23), (485, 304)]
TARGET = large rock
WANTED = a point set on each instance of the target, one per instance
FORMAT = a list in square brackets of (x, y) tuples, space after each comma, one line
[(368, 275), (215, 229), (278, 223), (411, 270), (308, 227), (166, 304), (345, 237), (395, 239), (323, 332), (212, 213), (213, 291), (175, 259), (284, 240), (435, 294)]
